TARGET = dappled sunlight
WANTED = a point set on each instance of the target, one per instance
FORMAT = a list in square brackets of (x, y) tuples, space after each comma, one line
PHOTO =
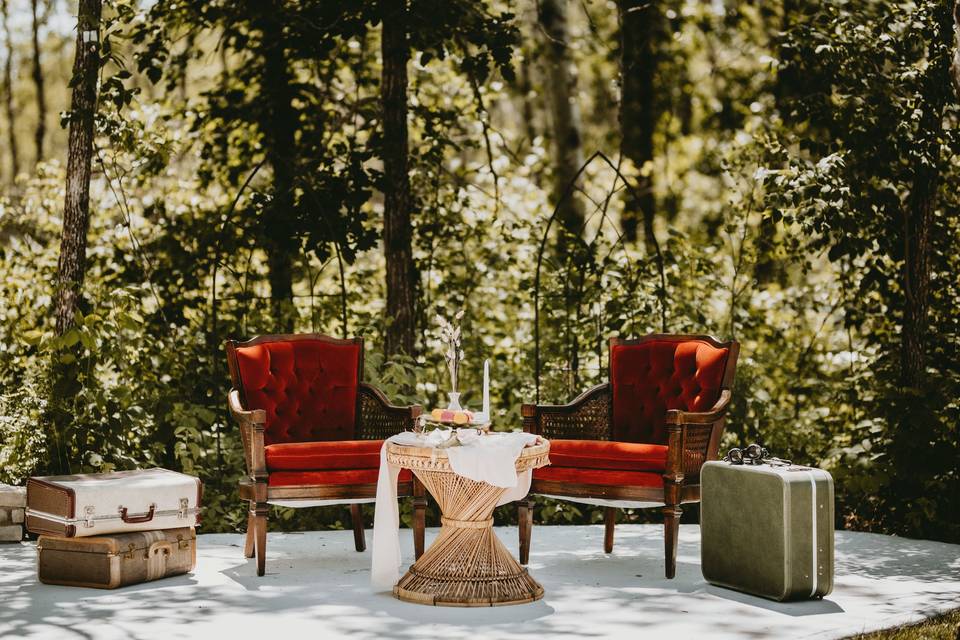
[(871, 555), (318, 581)]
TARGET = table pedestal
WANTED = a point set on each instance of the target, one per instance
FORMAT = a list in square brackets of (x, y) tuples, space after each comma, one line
[(467, 565)]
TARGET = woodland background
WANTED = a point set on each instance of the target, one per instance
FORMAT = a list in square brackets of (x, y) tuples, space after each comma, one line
[(782, 173)]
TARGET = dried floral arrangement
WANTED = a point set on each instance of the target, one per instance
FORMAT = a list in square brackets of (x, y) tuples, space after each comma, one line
[(451, 337)]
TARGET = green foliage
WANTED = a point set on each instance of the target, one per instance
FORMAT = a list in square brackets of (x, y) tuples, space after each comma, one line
[(881, 131), (23, 445), (787, 147)]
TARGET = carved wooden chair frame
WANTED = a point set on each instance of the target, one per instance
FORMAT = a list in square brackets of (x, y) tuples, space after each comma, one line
[(376, 419), (692, 439)]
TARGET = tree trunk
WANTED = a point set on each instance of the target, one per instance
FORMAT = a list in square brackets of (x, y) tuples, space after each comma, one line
[(767, 268), (916, 274), (279, 131), (8, 94), (561, 84), (788, 86), (76, 208), (918, 214), (526, 90), (639, 27), (397, 232), (955, 65), (37, 73)]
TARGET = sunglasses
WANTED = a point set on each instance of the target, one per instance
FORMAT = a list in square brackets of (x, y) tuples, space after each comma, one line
[(752, 454)]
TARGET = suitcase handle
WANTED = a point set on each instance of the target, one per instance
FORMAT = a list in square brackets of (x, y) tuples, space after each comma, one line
[(147, 517), (157, 556)]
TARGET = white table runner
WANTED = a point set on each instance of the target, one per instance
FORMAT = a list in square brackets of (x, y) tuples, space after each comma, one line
[(490, 458)]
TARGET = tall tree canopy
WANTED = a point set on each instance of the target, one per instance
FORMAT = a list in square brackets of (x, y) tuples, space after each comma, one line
[(782, 173)]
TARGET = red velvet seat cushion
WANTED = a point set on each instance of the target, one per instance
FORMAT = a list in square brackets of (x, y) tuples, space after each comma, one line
[(338, 476), (308, 388), (317, 456), (605, 454), (649, 378), (606, 477)]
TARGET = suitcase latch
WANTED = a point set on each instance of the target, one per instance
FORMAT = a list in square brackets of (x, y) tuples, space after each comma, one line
[(184, 505), (156, 556), (128, 554), (182, 544), (88, 512)]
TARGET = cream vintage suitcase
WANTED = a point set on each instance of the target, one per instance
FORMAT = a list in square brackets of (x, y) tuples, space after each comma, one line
[(111, 561), (85, 505), (767, 529)]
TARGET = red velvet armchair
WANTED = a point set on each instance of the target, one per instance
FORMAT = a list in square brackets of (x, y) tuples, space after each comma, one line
[(640, 438), (311, 430)]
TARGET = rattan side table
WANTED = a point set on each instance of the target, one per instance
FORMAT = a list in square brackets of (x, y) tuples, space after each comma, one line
[(467, 565)]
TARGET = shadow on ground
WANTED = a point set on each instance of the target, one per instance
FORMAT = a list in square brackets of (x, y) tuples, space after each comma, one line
[(317, 582)]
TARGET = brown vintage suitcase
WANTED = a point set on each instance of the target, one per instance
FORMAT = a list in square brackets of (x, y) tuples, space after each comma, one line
[(108, 562), (97, 504)]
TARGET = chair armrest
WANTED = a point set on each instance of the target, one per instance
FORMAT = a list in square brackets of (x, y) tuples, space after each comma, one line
[(241, 415), (692, 439), (587, 417), (378, 419), (252, 423), (717, 411)]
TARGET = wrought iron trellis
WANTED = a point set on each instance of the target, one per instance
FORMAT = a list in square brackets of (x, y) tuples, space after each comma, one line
[(215, 344), (620, 182), (217, 255)]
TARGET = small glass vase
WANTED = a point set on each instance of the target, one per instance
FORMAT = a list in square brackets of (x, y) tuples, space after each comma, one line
[(454, 401)]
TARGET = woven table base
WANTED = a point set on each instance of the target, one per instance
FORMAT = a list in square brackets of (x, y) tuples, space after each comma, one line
[(467, 565)]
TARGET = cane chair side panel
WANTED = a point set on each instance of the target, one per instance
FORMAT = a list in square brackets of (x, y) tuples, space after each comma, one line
[(696, 451), (700, 435), (247, 439), (378, 419), (591, 421), (586, 418)]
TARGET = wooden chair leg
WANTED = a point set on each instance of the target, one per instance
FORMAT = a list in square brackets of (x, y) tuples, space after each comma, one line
[(260, 521), (671, 530), (609, 521), (356, 517), (248, 545), (419, 518), (525, 522)]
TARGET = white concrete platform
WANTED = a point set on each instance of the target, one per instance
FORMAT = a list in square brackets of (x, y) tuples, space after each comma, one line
[(317, 587)]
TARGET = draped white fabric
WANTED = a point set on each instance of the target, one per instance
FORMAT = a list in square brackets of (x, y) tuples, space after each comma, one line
[(489, 458)]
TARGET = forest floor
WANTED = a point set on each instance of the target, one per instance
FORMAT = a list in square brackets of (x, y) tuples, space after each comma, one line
[(317, 584)]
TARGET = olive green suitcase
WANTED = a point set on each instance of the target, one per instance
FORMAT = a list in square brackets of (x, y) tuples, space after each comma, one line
[(767, 529)]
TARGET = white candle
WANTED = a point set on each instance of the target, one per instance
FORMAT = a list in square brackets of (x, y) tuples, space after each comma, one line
[(486, 389)]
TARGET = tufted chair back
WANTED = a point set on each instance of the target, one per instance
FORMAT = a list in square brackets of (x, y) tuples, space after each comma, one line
[(307, 384), (657, 373)]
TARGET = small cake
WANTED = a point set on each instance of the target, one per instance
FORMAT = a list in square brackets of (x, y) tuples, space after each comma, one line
[(456, 417)]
